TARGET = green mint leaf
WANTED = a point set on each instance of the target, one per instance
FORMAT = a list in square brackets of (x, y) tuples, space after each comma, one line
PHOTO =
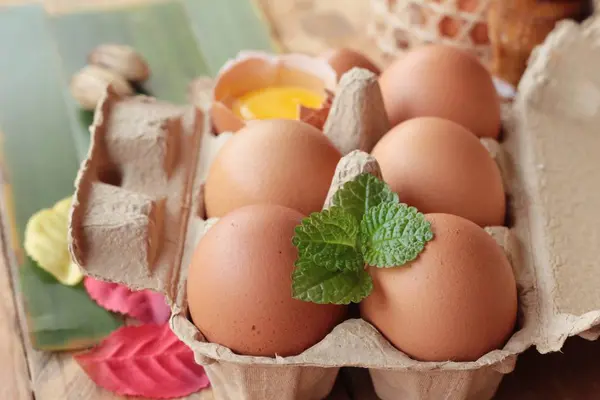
[(321, 286), (329, 239), (363, 193), (393, 234)]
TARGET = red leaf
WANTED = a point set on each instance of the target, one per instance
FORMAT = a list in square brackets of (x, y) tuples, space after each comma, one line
[(146, 360), (144, 305)]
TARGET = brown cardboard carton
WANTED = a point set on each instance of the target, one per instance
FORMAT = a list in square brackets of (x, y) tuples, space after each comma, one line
[(137, 223)]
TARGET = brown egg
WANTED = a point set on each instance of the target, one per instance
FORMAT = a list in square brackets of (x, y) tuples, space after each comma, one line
[(442, 81), (283, 162), (438, 166), (344, 59), (457, 301), (239, 286)]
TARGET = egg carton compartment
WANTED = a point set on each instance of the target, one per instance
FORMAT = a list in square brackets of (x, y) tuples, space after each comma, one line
[(142, 232)]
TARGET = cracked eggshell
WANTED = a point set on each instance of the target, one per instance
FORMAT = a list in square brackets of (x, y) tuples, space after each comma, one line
[(251, 71)]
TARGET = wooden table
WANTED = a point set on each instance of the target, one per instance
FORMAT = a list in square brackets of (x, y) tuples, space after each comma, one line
[(300, 25)]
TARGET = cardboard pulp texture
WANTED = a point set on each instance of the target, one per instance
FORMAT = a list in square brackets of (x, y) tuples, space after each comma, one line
[(138, 215)]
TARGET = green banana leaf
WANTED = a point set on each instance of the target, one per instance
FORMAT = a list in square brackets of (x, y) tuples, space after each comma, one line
[(46, 134), (229, 26), (40, 163)]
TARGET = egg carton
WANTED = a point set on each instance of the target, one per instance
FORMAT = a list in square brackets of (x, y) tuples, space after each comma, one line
[(138, 214)]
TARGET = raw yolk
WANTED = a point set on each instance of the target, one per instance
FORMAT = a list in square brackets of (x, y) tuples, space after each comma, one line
[(276, 102)]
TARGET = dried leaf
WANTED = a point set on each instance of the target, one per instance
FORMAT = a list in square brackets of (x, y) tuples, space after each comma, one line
[(147, 360), (144, 305), (46, 242)]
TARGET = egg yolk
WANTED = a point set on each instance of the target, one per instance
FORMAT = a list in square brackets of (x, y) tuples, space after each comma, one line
[(276, 102)]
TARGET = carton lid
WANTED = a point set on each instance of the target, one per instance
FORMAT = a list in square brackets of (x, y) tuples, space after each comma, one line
[(556, 139), (133, 191)]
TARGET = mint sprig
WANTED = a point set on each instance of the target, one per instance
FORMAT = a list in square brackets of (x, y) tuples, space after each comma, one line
[(359, 195), (311, 282), (393, 234), (329, 240), (367, 224)]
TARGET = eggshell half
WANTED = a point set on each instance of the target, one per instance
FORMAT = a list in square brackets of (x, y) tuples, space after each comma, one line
[(251, 71)]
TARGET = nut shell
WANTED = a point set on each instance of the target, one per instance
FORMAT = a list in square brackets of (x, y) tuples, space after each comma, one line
[(90, 83), (123, 60)]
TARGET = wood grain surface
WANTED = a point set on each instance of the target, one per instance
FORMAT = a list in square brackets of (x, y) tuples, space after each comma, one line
[(68, 6), (14, 373), (299, 25)]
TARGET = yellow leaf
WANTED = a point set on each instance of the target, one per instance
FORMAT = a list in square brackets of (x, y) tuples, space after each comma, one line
[(46, 242), (63, 207)]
